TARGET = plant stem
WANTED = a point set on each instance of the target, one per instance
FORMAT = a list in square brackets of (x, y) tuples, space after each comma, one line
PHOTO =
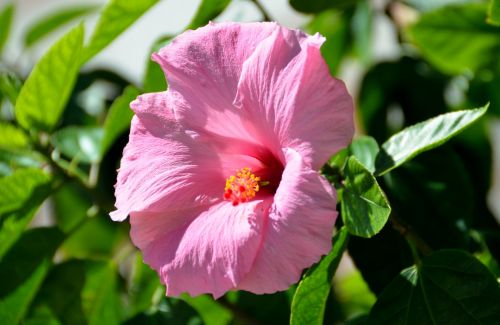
[(407, 232), (263, 11)]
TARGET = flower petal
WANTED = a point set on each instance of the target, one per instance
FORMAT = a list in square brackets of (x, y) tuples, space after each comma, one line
[(298, 230), (163, 167), (287, 90), (209, 253), (203, 66)]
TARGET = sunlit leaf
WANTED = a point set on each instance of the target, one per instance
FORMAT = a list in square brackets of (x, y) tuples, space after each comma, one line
[(43, 97), (365, 209), (115, 18), (448, 287), (457, 38), (208, 10), (48, 24), (423, 136), (17, 189), (494, 12), (23, 270), (12, 138), (365, 149), (309, 301), (118, 118), (6, 14)]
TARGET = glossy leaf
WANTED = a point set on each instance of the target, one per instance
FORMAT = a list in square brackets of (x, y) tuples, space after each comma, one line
[(309, 301), (118, 119), (115, 18), (448, 287), (365, 149), (423, 136), (12, 138), (100, 296), (457, 38), (365, 209), (494, 12), (208, 10), (43, 97), (81, 144), (6, 14), (23, 270), (316, 6), (48, 24)]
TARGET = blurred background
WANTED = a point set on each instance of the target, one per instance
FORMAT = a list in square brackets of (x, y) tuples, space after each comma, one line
[(391, 71)]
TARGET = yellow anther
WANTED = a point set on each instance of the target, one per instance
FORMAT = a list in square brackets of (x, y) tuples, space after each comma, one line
[(242, 187)]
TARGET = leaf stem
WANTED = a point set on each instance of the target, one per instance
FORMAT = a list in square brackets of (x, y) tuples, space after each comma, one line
[(265, 14), (409, 234)]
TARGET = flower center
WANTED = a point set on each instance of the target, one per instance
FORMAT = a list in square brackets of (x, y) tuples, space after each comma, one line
[(242, 187)]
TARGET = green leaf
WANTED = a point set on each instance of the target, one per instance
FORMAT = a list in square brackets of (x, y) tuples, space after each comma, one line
[(43, 97), (118, 118), (449, 287), (154, 78), (334, 25), (426, 5), (494, 13), (60, 294), (48, 24), (309, 301), (207, 10), (81, 144), (11, 161), (10, 85), (115, 18), (18, 188), (365, 149), (23, 270), (6, 15), (316, 6), (12, 138), (143, 289), (97, 238), (365, 209), (100, 296), (21, 194), (457, 38), (423, 136), (434, 195), (210, 311)]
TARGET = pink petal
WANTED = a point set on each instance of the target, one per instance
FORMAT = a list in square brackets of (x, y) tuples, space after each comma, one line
[(298, 230), (203, 67), (209, 253), (163, 167), (287, 90)]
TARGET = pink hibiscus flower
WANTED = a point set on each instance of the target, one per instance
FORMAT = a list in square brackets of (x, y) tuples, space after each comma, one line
[(220, 177)]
